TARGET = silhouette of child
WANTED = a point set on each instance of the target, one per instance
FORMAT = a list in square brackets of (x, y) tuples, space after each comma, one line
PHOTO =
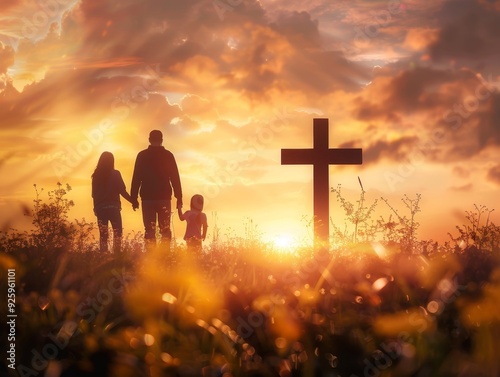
[(107, 186), (196, 227)]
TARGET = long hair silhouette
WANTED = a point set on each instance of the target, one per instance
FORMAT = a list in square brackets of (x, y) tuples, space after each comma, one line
[(105, 166)]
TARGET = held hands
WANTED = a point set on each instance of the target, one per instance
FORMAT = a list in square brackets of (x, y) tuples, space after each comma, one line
[(135, 204)]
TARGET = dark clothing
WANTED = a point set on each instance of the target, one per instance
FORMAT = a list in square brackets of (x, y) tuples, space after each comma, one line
[(153, 210), (113, 216), (107, 193), (155, 174)]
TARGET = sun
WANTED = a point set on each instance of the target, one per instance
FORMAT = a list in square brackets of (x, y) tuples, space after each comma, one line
[(284, 243)]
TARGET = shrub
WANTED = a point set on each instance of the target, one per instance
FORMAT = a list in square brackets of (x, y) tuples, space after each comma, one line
[(239, 310)]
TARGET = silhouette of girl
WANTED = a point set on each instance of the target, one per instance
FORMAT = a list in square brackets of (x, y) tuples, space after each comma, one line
[(196, 228), (107, 186)]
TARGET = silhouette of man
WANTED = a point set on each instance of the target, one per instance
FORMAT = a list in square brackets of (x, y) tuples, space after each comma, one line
[(155, 174)]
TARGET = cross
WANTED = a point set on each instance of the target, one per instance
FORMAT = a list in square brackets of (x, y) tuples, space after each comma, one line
[(321, 156)]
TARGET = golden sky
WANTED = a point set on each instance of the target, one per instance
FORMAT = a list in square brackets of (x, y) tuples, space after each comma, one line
[(231, 82)]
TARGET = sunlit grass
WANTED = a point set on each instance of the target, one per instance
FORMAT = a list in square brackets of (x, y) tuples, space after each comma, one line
[(248, 307)]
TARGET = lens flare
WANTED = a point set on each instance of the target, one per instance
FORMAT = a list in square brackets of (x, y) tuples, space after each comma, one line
[(283, 243)]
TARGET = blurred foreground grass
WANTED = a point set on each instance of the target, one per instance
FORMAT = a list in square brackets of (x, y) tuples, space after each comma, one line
[(392, 307)]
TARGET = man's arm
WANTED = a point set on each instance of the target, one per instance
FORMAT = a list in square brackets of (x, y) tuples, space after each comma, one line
[(176, 181), (136, 182), (181, 215), (136, 178)]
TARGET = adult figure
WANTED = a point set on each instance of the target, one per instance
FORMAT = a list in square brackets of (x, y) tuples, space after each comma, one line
[(155, 175), (107, 186)]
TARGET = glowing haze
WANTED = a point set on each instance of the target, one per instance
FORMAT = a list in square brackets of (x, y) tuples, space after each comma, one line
[(414, 83)]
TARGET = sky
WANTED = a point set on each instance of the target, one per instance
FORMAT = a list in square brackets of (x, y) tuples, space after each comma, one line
[(230, 83)]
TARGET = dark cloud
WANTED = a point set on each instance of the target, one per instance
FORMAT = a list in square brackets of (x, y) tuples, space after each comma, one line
[(160, 30), (458, 112), (395, 150), (471, 31), (415, 90), (311, 67), (299, 28), (468, 134), (368, 111), (246, 52), (494, 174), (489, 123)]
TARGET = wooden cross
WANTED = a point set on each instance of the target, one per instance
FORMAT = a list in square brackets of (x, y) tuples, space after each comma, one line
[(321, 156)]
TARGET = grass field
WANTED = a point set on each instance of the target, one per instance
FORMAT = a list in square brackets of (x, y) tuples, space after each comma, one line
[(382, 303)]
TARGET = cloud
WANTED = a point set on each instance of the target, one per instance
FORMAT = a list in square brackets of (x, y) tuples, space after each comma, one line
[(461, 171), (213, 81), (321, 72), (7, 4), (240, 52), (392, 96), (493, 174), (464, 188), (416, 89), (213, 62), (6, 57), (471, 31), (453, 114), (196, 51), (393, 150), (299, 28), (417, 39), (183, 29), (376, 32)]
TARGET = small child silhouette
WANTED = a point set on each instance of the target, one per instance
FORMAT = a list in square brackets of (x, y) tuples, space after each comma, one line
[(196, 228)]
